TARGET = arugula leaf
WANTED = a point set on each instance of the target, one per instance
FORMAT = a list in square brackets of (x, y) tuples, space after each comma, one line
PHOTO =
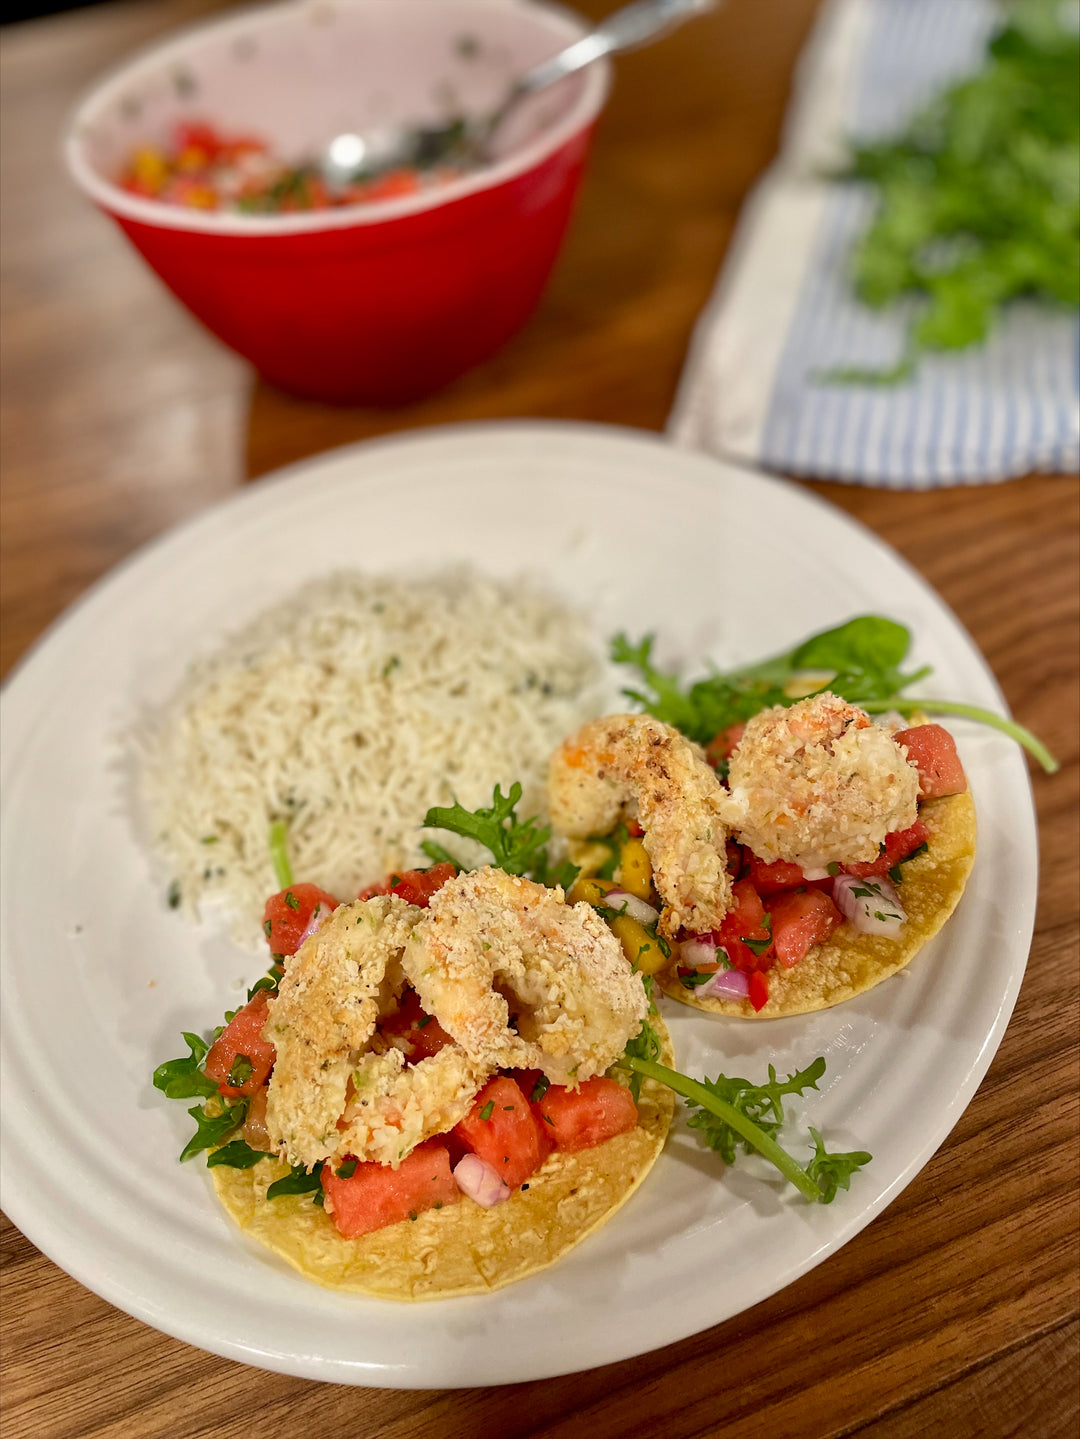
[(737, 1114), (761, 1103), (645, 1044), (213, 1122), (438, 854), (705, 707), (833, 1171), (184, 1078), (237, 1155), (297, 1181), (268, 982), (517, 846), (864, 656)]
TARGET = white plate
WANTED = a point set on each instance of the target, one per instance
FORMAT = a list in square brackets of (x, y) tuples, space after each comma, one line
[(99, 977)]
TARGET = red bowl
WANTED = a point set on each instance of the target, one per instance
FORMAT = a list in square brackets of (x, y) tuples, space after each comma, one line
[(378, 303)]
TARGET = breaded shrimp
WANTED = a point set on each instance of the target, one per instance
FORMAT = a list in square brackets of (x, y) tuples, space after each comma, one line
[(322, 1024), (626, 760), (392, 1108), (494, 948), (819, 783)]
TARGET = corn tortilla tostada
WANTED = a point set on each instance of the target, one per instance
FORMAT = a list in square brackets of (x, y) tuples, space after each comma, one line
[(462, 1248), (849, 963)]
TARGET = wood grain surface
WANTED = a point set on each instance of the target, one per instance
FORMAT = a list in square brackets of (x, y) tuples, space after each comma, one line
[(955, 1312)]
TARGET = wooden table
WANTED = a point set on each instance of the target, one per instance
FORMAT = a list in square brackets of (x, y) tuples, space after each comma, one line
[(955, 1312)]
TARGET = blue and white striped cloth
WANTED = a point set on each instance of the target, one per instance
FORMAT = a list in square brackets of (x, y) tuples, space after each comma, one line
[(784, 310)]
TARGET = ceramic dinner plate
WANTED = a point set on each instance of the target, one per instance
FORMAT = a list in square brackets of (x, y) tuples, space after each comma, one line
[(99, 976)]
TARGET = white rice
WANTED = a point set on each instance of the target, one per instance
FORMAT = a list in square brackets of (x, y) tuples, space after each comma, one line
[(348, 710)]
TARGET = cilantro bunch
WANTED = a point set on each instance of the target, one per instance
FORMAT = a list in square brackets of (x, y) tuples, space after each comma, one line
[(862, 658), (978, 200)]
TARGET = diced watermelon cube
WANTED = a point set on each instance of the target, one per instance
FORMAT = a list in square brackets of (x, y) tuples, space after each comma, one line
[(800, 920), (595, 1112), (502, 1129), (374, 1195), (241, 1044), (932, 750)]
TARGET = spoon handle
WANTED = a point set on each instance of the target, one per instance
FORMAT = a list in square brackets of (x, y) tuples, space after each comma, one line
[(633, 25)]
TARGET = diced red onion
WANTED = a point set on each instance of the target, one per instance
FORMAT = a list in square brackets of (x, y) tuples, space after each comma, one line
[(634, 907), (871, 905), (726, 984), (697, 951), (318, 914), (480, 1181)]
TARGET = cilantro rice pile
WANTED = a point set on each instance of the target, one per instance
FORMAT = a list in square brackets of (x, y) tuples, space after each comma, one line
[(348, 710)]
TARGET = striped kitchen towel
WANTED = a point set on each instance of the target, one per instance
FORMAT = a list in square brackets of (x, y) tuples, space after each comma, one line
[(784, 311)]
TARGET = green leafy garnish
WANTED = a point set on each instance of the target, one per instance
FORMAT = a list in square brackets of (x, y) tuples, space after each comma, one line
[(645, 1044), (863, 659), (269, 982), (979, 197), (736, 1114), (694, 979), (240, 1071), (487, 1110), (213, 1121), (237, 1155), (706, 707), (297, 1181), (833, 1171), (184, 1078), (438, 854), (517, 846), (539, 1089), (347, 1169)]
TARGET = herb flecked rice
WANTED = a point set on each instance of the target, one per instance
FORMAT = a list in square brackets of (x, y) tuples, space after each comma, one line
[(348, 710)]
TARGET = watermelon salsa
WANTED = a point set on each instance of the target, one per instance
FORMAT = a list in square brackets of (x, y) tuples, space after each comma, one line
[(779, 914), (202, 167), (515, 1123)]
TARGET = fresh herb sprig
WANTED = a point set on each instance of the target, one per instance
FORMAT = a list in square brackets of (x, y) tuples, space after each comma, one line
[(517, 846), (862, 657), (645, 1044), (736, 1114), (978, 200)]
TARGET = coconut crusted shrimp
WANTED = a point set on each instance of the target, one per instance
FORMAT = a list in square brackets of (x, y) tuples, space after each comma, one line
[(819, 783), (332, 1092), (622, 760), (493, 946)]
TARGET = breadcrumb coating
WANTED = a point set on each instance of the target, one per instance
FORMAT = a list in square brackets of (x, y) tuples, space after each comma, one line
[(494, 948), (614, 765), (819, 783), (322, 1024)]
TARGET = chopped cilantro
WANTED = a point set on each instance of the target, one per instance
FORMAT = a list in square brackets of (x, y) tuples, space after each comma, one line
[(240, 1071)]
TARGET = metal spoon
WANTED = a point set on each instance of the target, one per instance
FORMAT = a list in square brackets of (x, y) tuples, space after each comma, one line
[(468, 142)]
